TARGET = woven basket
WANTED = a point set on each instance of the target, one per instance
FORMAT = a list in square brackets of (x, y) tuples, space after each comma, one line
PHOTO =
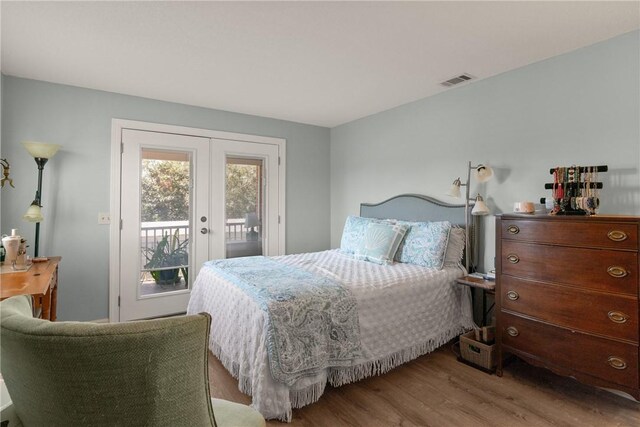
[(476, 352)]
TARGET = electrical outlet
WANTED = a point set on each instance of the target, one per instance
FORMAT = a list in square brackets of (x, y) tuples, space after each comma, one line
[(104, 218)]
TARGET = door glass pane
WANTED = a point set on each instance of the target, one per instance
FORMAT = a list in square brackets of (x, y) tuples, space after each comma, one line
[(165, 209), (244, 208)]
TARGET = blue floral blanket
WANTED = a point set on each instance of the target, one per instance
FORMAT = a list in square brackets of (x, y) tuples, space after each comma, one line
[(312, 320)]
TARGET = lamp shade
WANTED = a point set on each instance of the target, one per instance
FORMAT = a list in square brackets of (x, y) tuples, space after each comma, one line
[(251, 220), (454, 191), (40, 149), (482, 173), (480, 207), (34, 213)]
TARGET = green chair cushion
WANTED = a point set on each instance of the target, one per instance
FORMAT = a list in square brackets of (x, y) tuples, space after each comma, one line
[(230, 414)]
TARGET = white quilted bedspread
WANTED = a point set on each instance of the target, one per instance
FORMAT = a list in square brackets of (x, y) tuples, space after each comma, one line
[(404, 311)]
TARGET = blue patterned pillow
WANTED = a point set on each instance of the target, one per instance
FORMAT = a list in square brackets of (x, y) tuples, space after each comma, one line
[(380, 243), (353, 233), (425, 244)]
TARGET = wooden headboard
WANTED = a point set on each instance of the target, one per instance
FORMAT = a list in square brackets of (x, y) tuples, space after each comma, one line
[(416, 207)]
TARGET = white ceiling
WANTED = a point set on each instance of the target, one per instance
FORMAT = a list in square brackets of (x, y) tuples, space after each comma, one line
[(322, 63)]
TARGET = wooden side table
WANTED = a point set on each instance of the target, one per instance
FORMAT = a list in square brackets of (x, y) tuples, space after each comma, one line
[(488, 287), (40, 281)]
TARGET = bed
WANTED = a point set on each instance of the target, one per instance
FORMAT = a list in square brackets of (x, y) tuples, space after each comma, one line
[(401, 312)]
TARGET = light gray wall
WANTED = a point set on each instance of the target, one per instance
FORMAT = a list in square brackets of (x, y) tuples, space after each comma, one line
[(76, 180), (578, 108), (582, 107)]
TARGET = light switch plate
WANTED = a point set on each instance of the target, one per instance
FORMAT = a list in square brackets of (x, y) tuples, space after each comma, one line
[(104, 218)]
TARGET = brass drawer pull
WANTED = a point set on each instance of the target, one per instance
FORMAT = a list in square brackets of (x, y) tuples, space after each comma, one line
[(512, 331), (616, 363), (512, 295), (513, 229), (617, 271), (617, 317), (513, 259), (617, 235)]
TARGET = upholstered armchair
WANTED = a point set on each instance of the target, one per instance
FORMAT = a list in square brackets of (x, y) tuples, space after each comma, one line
[(146, 373)]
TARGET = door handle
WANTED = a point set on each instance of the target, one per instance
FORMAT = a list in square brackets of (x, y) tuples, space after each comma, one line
[(204, 230)]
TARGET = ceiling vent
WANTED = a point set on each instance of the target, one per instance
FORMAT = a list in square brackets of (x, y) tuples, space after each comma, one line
[(457, 80)]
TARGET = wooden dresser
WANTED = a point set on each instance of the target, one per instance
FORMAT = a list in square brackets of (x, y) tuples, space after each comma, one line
[(40, 281), (567, 296)]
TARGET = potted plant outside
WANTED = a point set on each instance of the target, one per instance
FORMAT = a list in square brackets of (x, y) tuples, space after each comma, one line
[(169, 252)]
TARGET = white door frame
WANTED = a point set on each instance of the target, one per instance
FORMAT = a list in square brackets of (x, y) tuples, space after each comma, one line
[(117, 125)]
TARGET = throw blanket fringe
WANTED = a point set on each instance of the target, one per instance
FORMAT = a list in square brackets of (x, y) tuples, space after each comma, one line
[(306, 396), (244, 383), (342, 376)]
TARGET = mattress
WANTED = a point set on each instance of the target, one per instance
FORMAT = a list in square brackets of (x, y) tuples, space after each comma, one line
[(404, 311)]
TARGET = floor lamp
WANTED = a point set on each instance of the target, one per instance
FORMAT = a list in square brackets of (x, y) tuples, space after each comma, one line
[(481, 173), (41, 152)]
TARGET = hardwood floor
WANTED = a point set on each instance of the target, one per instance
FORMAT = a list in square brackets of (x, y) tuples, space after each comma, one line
[(437, 390)]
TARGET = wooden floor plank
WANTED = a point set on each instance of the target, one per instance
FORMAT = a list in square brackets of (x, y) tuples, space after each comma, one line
[(437, 390)]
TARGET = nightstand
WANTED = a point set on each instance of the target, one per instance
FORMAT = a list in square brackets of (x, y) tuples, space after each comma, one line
[(488, 287)]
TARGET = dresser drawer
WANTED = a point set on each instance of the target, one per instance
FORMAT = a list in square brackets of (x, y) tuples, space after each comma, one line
[(613, 271), (615, 316), (599, 357), (587, 234)]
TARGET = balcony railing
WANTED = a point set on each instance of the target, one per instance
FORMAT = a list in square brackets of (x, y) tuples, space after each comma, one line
[(152, 232)]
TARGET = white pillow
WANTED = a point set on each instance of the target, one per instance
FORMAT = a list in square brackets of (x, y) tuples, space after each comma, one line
[(455, 247)]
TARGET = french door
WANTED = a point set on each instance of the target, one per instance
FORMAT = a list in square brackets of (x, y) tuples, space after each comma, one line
[(165, 221), (185, 200)]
